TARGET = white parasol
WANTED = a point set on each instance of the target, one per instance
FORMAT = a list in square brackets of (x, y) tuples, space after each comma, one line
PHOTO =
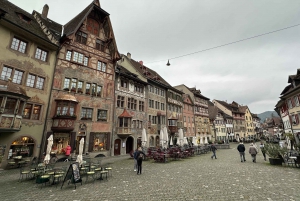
[(166, 137), (48, 151), (144, 137), (171, 141), (201, 140), (180, 136), (205, 140), (194, 141), (185, 140), (79, 157), (161, 136)]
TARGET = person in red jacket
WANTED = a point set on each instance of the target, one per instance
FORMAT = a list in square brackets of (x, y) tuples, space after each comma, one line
[(68, 151)]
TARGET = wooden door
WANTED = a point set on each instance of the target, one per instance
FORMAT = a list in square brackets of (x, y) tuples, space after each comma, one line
[(117, 147)]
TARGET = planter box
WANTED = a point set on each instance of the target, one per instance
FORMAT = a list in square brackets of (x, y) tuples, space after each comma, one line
[(275, 161)]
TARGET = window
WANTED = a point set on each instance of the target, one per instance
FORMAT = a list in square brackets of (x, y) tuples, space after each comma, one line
[(124, 83), (77, 57), (17, 77), (88, 88), (138, 88), (35, 81), (36, 112), (131, 104), (15, 74), (100, 142), (154, 119), (151, 103), (100, 45), (162, 106), (296, 100), (41, 54), (81, 37), (162, 93), (289, 102), (120, 101), (10, 106), (69, 55), (157, 105), (102, 115), (86, 113), (101, 66), (98, 92), (18, 45), (184, 119), (141, 105)]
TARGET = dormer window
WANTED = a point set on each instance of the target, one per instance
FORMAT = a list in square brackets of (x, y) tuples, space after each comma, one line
[(24, 18)]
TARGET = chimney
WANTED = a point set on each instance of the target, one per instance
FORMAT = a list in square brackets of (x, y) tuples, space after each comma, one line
[(128, 55), (45, 11), (141, 62)]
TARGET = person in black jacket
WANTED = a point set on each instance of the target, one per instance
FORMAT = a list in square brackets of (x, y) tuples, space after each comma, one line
[(140, 155), (213, 149), (241, 149)]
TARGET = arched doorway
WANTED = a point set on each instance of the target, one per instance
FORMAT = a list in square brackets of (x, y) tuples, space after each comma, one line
[(129, 144), (117, 147)]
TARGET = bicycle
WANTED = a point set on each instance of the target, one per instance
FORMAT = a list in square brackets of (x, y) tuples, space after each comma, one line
[(53, 158)]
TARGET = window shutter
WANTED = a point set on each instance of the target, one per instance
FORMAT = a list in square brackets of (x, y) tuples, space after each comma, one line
[(91, 141), (72, 140), (108, 141)]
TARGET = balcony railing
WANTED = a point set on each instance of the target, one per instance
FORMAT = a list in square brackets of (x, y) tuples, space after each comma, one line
[(124, 132)]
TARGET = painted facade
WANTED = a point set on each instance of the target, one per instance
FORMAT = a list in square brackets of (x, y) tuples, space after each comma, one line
[(27, 62), (82, 99), (188, 116), (130, 116)]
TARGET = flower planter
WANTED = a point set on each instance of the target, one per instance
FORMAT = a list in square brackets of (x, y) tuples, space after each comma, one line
[(275, 161)]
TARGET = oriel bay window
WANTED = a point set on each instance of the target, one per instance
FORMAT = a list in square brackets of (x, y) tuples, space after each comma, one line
[(10, 106), (124, 122), (65, 108)]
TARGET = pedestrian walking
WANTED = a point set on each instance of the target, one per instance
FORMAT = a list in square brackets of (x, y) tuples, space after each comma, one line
[(241, 149), (213, 149), (135, 154), (140, 156), (263, 150), (253, 152)]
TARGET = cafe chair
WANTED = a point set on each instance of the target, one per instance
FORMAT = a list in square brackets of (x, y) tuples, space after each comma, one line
[(43, 179), (90, 174), (25, 172), (109, 169)]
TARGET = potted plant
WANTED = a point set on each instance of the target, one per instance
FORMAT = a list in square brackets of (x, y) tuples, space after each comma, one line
[(275, 153)]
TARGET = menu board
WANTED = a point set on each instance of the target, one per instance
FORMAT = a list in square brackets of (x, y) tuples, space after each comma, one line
[(73, 174)]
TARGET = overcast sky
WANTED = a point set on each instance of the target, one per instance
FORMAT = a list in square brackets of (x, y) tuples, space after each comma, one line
[(253, 72)]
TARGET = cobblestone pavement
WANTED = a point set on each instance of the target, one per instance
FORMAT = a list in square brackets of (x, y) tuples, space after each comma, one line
[(194, 178)]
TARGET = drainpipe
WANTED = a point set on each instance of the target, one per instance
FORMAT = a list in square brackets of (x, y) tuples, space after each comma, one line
[(48, 107)]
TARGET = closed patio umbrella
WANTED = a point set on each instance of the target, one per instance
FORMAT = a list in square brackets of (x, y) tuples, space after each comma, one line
[(171, 141), (79, 157), (201, 140), (144, 137), (205, 140), (180, 135), (194, 141), (166, 137), (161, 136), (48, 151)]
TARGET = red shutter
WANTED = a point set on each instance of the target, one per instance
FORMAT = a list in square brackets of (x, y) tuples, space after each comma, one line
[(72, 141), (108, 141), (91, 141)]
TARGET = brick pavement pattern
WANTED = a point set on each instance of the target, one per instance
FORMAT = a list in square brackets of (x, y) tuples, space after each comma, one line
[(194, 178)]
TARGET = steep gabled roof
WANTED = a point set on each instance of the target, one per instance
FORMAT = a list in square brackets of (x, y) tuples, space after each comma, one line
[(197, 93), (12, 14), (124, 72), (225, 104)]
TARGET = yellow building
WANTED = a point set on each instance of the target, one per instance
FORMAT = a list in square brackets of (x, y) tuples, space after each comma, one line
[(27, 60)]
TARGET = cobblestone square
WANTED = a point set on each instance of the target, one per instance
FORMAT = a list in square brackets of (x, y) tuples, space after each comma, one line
[(194, 178)]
